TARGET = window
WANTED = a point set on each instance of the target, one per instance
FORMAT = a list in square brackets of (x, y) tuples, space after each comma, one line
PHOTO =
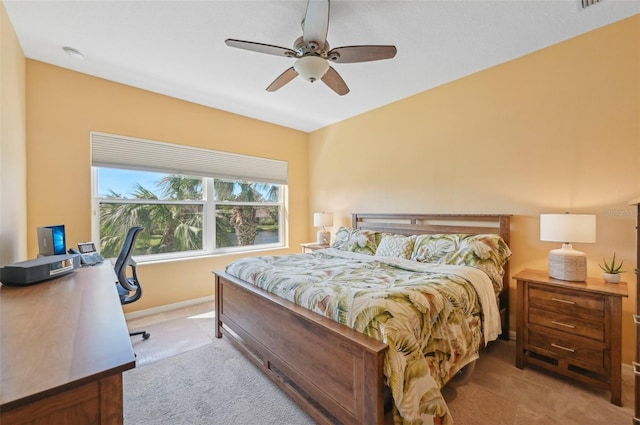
[(183, 213)]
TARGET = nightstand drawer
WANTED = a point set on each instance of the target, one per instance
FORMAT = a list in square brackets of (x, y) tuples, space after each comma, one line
[(583, 352), (593, 329), (569, 302)]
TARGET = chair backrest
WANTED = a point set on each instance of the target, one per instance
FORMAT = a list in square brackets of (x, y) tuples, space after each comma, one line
[(124, 261)]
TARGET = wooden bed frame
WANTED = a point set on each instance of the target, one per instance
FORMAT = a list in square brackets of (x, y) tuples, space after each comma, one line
[(332, 371)]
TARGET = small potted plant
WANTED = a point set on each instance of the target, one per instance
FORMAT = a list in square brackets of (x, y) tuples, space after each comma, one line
[(612, 270)]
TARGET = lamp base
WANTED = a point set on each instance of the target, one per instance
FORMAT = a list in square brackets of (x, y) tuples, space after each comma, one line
[(323, 237), (568, 264)]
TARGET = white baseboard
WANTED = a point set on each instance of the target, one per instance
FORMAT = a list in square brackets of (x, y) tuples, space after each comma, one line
[(164, 308)]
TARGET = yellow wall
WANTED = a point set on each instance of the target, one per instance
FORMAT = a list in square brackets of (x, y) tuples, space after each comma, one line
[(64, 106), (557, 130), (13, 147)]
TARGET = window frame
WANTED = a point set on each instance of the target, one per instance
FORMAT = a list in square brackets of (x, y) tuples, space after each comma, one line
[(209, 207)]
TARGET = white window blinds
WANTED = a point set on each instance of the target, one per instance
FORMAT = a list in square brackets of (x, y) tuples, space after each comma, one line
[(108, 150)]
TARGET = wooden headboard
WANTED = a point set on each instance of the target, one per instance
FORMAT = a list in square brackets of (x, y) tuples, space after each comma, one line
[(420, 224)]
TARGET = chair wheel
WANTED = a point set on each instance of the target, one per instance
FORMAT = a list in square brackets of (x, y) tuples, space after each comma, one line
[(146, 335)]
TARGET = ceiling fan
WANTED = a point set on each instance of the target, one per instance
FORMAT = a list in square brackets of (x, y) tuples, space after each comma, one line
[(312, 52)]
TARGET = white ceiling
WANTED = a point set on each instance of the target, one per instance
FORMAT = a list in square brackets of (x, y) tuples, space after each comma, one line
[(177, 47)]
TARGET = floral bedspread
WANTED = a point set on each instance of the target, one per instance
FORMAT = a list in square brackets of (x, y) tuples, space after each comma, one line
[(433, 317)]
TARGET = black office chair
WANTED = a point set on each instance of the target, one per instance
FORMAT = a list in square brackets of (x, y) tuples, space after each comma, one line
[(129, 287)]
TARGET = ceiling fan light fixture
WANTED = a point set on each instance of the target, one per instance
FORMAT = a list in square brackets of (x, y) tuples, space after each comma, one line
[(311, 68), (313, 53)]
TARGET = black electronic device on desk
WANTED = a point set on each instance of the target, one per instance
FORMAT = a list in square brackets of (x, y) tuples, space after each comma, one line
[(88, 254), (38, 270)]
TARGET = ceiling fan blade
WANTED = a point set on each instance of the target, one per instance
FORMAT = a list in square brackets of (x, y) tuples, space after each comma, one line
[(283, 79), (316, 22), (261, 48), (335, 82), (352, 54)]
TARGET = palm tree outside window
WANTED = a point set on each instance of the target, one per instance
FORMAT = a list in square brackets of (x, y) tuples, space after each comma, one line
[(186, 215)]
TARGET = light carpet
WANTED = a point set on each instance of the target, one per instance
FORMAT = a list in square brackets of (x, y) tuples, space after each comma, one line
[(213, 384), (498, 393), (167, 339), (216, 384)]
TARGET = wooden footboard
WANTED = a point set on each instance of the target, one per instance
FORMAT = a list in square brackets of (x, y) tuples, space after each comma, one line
[(333, 372)]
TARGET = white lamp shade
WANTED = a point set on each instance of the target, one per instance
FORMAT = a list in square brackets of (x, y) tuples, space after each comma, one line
[(311, 68), (567, 263), (568, 228), (322, 219)]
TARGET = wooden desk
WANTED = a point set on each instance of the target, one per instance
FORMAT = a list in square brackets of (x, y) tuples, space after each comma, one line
[(64, 346)]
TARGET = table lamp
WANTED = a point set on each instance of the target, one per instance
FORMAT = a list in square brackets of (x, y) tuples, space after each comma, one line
[(567, 263), (323, 219)]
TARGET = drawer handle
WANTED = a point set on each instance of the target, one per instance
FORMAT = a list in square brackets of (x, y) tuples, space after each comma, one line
[(636, 368), (566, 325), (636, 319), (571, 350), (562, 301)]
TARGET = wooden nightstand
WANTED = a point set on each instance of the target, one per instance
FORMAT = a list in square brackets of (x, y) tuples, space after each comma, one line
[(312, 246), (571, 328)]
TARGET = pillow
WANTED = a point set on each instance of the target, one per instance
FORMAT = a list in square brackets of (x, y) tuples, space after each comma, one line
[(357, 240), (433, 248), (396, 246), (487, 252)]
